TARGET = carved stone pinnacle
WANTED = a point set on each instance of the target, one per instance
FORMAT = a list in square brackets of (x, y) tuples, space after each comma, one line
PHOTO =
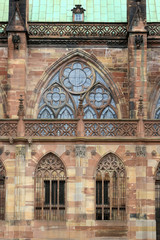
[(80, 107), (21, 107), (140, 107)]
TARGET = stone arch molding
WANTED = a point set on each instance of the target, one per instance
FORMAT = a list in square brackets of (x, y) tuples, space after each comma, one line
[(74, 55)]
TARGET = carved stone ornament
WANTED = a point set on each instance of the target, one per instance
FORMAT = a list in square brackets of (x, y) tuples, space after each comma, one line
[(30, 141), (7, 152), (138, 41), (67, 152), (93, 152), (140, 151), (154, 153), (21, 107), (20, 151), (140, 107), (50, 166), (80, 151), (111, 163), (16, 41), (128, 153)]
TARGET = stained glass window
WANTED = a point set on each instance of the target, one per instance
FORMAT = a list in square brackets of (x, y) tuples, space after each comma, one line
[(61, 97), (157, 113)]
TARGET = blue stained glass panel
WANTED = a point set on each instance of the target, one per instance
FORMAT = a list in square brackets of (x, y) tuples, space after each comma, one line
[(66, 113), (46, 112), (89, 113), (108, 113)]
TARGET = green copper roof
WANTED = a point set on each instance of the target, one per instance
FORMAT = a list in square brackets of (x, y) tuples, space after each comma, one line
[(153, 10), (4, 9), (96, 10), (60, 10)]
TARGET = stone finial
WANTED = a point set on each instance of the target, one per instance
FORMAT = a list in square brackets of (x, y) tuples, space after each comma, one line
[(21, 107), (140, 107), (80, 107), (78, 9)]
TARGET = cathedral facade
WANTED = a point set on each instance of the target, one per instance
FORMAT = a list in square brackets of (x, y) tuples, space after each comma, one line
[(79, 120)]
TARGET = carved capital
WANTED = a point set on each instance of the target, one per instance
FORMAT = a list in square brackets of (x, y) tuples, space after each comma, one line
[(141, 151), (80, 151), (20, 151)]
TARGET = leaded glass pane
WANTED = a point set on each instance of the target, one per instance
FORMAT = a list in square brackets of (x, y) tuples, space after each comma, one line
[(89, 113), (77, 78), (157, 114), (46, 113), (55, 79), (108, 113), (65, 113)]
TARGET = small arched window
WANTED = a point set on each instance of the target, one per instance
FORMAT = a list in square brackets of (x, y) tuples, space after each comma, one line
[(157, 202), (110, 189), (60, 99), (50, 179), (2, 191)]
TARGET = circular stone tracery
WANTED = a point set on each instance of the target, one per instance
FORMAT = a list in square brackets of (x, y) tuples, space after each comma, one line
[(77, 77)]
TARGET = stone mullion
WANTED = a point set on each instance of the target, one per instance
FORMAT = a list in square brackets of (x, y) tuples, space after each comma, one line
[(103, 195), (118, 194), (42, 197), (111, 194)]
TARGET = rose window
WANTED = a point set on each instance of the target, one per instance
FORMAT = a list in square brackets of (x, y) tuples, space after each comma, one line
[(77, 77)]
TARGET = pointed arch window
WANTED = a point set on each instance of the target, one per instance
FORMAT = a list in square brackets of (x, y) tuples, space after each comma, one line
[(61, 97), (2, 191), (157, 111), (110, 189), (157, 202), (50, 181)]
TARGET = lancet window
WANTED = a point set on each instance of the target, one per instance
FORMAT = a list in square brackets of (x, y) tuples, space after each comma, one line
[(61, 97), (157, 203), (2, 191), (110, 189), (50, 181)]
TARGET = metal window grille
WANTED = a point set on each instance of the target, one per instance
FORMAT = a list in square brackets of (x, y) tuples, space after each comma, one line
[(157, 203), (2, 191), (50, 189), (110, 189)]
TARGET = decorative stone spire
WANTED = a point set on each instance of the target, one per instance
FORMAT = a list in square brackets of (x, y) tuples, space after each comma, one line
[(136, 15), (21, 107), (80, 107), (140, 107)]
